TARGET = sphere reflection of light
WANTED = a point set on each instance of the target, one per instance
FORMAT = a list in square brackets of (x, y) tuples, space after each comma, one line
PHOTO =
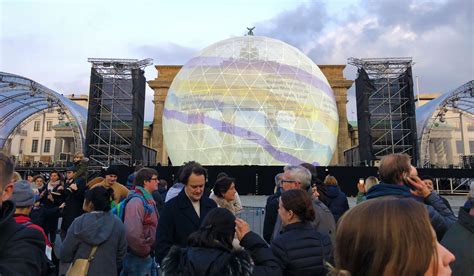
[(250, 101)]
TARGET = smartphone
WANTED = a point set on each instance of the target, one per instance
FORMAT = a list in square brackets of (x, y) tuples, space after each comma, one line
[(405, 179), (361, 181)]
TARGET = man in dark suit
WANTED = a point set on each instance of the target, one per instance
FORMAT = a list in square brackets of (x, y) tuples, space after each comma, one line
[(183, 214)]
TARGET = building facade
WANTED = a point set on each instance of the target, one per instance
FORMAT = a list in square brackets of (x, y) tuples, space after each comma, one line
[(45, 137)]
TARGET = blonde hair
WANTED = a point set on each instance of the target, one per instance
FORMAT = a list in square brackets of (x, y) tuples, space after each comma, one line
[(79, 155), (330, 180), (388, 236), (16, 176), (370, 182)]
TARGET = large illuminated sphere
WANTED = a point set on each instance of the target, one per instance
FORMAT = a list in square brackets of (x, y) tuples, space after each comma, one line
[(250, 101)]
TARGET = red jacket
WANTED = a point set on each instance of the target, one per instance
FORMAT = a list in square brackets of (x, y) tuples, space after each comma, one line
[(26, 221)]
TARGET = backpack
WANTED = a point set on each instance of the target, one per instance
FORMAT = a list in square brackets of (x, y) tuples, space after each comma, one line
[(119, 208)]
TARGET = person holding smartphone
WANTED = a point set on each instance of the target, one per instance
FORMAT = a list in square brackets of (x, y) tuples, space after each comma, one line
[(400, 179)]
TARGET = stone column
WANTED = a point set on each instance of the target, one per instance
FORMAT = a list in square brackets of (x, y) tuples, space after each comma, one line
[(340, 85), (161, 85), (57, 148)]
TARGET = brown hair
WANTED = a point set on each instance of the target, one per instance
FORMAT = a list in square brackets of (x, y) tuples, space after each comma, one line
[(330, 180), (299, 202), (393, 166), (388, 236), (6, 171)]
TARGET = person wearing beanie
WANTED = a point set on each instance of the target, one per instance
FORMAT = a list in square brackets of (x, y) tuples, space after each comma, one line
[(110, 181), (22, 248), (24, 198)]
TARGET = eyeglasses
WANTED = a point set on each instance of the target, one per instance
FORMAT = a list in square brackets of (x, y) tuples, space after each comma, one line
[(288, 181)]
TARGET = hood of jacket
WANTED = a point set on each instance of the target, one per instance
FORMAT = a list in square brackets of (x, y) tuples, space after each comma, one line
[(94, 228), (207, 261), (384, 189), (330, 191), (6, 212)]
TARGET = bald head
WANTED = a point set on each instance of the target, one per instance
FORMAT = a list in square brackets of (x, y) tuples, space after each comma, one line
[(393, 167)]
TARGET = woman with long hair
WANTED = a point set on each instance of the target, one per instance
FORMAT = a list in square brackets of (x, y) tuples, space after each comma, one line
[(210, 250), (300, 248), (389, 236), (96, 228)]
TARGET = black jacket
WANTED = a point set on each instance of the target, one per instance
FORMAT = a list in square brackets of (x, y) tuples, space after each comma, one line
[(177, 221), (460, 241), (74, 201), (301, 250), (334, 199), (271, 215), (215, 261), (21, 248)]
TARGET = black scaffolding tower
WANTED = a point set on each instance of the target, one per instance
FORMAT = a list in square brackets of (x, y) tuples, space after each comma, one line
[(385, 108), (116, 111)]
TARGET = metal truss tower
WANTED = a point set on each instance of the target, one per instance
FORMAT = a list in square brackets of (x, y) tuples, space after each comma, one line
[(116, 110), (385, 108)]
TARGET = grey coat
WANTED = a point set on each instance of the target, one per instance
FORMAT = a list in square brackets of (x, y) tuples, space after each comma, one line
[(96, 228)]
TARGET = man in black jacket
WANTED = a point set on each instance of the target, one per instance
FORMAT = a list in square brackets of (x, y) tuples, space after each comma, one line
[(22, 249), (183, 214)]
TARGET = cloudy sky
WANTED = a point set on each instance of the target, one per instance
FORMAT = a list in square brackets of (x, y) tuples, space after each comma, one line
[(49, 41)]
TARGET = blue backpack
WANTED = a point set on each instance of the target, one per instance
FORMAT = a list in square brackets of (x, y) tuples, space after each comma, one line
[(119, 209)]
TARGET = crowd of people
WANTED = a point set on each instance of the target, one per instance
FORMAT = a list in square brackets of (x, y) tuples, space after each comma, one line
[(400, 225)]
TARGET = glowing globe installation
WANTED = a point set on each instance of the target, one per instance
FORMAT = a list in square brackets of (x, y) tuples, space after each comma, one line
[(250, 100)]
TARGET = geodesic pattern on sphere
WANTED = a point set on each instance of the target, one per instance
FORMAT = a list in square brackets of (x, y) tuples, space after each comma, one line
[(250, 101)]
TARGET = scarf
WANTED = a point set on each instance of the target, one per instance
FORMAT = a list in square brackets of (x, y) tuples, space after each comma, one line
[(52, 185), (224, 203), (148, 197)]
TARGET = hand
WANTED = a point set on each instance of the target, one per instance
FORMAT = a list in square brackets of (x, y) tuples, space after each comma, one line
[(241, 228), (73, 187), (50, 197), (421, 189), (361, 187), (62, 205)]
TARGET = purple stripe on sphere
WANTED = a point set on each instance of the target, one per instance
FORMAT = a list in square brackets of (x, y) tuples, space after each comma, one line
[(237, 131)]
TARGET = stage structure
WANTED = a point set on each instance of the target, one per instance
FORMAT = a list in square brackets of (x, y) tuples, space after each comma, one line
[(385, 108), (446, 129), (21, 98), (115, 114), (250, 100)]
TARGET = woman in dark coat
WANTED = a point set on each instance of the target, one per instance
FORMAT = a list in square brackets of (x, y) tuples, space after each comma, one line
[(74, 189), (210, 251), (300, 248), (332, 196), (98, 227)]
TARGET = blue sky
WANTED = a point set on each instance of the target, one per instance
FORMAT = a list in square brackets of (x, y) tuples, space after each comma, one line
[(50, 41)]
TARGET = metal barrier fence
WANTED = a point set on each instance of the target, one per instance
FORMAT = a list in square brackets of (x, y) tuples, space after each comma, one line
[(254, 216)]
